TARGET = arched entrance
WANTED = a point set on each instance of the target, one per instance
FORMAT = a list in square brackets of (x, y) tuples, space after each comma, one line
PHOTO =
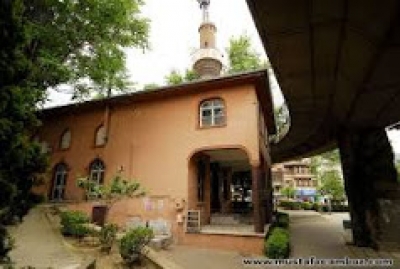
[(221, 186)]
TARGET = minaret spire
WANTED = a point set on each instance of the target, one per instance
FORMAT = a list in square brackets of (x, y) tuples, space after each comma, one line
[(207, 59), (204, 7)]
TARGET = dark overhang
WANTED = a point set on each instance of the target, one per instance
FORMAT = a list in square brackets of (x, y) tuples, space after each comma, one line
[(337, 63)]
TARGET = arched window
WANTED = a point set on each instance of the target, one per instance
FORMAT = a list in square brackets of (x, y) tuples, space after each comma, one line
[(65, 140), (212, 113), (96, 171), (100, 136), (59, 181)]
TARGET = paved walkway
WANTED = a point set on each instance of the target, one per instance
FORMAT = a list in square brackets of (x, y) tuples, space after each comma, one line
[(40, 244), (312, 235), (195, 258)]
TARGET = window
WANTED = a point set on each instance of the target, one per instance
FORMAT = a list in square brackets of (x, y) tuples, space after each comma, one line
[(45, 147), (65, 141), (96, 171), (212, 113), (100, 136), (59, 181)]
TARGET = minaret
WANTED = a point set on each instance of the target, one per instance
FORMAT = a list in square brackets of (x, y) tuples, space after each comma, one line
[(207, 60)]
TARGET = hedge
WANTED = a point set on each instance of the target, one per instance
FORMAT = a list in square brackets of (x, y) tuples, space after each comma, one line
[(277, 246)]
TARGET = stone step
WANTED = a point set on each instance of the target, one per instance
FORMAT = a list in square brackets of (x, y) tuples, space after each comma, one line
[(229, 219)]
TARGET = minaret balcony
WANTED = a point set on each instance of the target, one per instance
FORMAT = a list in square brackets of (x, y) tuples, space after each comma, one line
[(207, 53)]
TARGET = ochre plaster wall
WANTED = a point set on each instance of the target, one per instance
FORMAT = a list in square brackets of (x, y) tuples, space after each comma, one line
[(152, 142)]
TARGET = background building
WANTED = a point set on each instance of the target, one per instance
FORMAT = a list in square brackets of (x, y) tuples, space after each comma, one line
[(297, 175)]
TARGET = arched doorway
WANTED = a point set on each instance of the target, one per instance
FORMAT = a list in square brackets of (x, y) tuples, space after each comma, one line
[(221, 187)]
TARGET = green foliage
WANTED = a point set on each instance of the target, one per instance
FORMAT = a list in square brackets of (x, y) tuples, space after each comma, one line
[(290, 205), (306, 205), (190, 75), (107, 236), (111, 193), (21, 160), (117, 189), (326, 167), (241, 55), (282, 220), (282, 121), (133, 242), (327, 161), (150, 86), (72, 223), (288, 192), (331, 184), (175, 78), (316, 206), (81, 42), (277, 246)]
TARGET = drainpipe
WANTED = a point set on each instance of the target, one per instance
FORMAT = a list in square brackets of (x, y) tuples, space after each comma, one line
[(107, 115)]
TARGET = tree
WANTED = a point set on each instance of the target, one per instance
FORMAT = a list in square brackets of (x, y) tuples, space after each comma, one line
[(326, 161), (289, 192), (20, 159), (81, 42), (326, 168), (282, 122), (150, 86), (241, 55), (117, 189), (332, 184), (50, 43), (191, 75), (175, 78)]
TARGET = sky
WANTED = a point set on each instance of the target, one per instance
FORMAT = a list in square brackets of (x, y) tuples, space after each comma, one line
[(174, 37)]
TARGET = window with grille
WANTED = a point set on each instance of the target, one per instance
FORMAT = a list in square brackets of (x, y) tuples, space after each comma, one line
[(212, 113), (97, 169), (59, 181)]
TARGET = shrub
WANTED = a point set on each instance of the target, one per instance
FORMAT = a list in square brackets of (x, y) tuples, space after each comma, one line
[(306, 205), (282, 220), (133, 242), (73, 223), (291, 205), (316, 206), (107, 237), (340, 208), (277, 246)]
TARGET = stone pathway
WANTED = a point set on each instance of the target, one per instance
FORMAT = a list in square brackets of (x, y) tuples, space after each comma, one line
[(40, 244)]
